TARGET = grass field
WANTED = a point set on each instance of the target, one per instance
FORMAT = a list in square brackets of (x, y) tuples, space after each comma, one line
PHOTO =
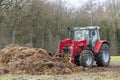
[(111, 73), (115, 58)]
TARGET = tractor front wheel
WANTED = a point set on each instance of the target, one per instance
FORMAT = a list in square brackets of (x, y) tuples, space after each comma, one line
[(103, 58), (86, 58)]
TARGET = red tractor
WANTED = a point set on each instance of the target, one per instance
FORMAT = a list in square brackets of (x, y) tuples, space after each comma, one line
[(84, 45)]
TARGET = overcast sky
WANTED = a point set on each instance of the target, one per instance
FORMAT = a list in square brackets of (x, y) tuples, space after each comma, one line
[(77, 3)]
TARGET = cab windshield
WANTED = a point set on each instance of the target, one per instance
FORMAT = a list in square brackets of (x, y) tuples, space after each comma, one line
[(81, 35)]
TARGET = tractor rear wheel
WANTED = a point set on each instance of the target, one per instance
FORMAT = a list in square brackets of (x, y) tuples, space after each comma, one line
[(86, 58), (103, 58)]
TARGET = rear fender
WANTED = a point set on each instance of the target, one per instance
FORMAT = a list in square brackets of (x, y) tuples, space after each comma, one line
[(63, 43), (98, 45)]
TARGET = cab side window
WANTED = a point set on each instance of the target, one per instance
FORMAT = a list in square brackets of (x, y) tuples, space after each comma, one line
[(93, 37)]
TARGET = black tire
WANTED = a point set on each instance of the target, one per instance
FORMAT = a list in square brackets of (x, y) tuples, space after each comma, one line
[(86, 58), (103, 57)]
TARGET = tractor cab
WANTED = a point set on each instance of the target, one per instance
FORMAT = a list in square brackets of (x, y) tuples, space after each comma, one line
[(90, 34)]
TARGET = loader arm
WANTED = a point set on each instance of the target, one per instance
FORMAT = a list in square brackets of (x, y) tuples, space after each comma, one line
[(64, 43)]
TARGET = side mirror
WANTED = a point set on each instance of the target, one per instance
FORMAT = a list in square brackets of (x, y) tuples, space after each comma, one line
[(68, 32), (68, 28)]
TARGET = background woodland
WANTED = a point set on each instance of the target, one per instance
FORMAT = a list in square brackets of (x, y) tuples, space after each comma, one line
[(42, 23)]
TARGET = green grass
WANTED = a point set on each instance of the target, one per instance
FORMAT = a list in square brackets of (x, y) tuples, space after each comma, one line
[(115, 58), (104, 78)]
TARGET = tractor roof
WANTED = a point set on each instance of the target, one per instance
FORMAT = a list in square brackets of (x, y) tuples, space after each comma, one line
[(87, 27)]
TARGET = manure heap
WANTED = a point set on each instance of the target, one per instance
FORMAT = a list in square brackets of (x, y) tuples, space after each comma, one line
[(15, 59)]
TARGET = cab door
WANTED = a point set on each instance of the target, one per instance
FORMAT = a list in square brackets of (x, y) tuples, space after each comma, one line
[(94, 37)]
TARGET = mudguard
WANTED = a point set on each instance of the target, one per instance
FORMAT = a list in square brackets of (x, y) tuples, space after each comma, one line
[(98, 45)]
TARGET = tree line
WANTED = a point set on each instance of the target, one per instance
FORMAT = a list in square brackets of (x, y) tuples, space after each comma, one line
[(42, 23)]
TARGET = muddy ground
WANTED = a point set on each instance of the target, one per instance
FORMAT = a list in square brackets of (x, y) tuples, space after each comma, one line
[(38, 64), (102, 73)]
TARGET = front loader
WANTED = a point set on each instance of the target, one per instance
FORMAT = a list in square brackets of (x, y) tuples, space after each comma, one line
[(85, 46)]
